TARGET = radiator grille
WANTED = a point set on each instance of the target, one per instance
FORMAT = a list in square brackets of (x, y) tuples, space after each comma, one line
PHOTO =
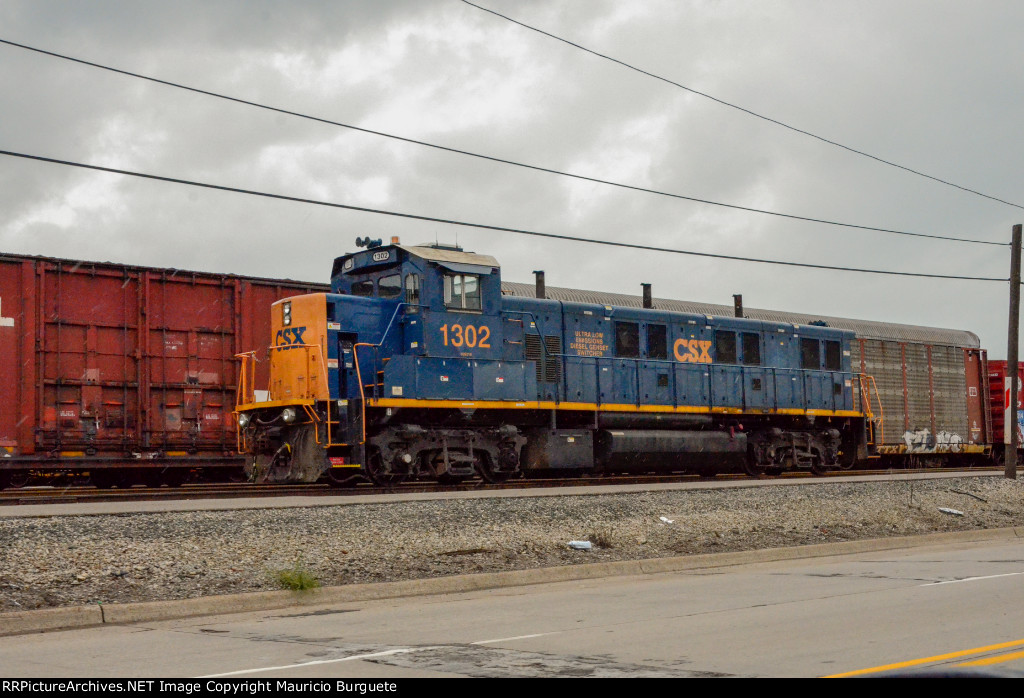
[(549, 364), (553, 367)]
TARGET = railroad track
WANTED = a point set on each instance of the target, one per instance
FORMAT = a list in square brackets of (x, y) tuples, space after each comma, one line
[(83, 493)]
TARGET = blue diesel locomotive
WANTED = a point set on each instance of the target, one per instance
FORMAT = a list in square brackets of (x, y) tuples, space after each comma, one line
[(416, 366)]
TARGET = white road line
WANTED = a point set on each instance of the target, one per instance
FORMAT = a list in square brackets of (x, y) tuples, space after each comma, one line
[(509, 639), (371, 655), (972, 579)]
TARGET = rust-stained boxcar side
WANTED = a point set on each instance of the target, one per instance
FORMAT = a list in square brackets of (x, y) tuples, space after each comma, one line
[(115, 370)]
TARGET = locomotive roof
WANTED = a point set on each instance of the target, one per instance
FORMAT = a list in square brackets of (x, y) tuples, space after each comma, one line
[(441, 254), (865, 329)]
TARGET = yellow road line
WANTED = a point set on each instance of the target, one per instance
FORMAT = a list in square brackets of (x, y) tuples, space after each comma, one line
[(994, 660), (927, 660)]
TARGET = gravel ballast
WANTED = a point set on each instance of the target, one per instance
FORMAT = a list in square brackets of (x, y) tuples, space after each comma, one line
[(75, 560)]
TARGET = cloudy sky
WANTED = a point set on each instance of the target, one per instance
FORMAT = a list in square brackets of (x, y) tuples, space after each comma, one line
[(933, 85)]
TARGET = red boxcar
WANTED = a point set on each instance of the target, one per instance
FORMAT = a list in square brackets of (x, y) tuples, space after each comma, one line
[(999, 390), (125, 372)]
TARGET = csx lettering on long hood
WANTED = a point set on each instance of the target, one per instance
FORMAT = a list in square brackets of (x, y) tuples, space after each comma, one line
[(289, 335), (692, 351)]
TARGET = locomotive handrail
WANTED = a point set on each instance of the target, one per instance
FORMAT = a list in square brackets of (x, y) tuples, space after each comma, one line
[(391, 322), (867, 388), (362, 391), (247, 378), (359, 372), (377, 346), (244, 393), (771, 373)]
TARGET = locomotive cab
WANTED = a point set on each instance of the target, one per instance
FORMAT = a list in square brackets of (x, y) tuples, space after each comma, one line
[(397, 317)]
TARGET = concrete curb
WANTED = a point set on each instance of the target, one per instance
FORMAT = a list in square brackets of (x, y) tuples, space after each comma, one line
[(21, 622)]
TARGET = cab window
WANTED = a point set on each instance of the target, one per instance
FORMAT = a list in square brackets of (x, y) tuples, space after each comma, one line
[(363, 288), (390, 286), (462, 291), (412, 289)]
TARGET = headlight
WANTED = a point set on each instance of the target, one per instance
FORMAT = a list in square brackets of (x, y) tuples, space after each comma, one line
[(288, 414), (243, 419)]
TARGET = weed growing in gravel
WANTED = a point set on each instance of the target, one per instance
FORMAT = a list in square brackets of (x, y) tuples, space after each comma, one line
[(602, 538), (296, 578)]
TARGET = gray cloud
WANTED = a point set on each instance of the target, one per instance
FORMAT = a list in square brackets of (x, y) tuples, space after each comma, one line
[(935, 85)]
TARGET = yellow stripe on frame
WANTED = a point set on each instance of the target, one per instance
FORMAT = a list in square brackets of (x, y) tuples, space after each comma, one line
[(592, 407)]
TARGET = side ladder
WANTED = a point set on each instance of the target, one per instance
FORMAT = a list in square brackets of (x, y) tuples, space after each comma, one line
[(869, 400)]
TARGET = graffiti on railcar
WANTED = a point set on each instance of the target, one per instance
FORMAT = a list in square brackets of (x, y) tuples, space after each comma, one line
[(923, 441)]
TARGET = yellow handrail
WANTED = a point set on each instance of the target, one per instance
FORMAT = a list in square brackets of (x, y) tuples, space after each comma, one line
[(244, 394), (245, 391), (246, 378), (868, 387)]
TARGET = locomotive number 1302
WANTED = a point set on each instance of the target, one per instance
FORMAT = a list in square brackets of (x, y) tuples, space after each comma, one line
[(466, 336)]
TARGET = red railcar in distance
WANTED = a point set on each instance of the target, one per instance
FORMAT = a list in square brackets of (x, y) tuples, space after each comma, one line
[(125, 373), (999, 402)]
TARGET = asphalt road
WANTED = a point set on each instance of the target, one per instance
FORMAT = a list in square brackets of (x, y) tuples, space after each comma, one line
[(935, 608)]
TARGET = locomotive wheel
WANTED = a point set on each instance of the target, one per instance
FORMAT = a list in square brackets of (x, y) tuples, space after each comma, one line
[(378, 473), (485, 466), (818, 466), (751, 467), (754, 470)]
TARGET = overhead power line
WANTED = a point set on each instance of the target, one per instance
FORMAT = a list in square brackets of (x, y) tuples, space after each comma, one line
[(489, 157), (482, 226), (744, 109)]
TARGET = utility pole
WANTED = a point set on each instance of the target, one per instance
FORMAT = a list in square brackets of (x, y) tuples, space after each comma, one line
[(1012, 373)]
